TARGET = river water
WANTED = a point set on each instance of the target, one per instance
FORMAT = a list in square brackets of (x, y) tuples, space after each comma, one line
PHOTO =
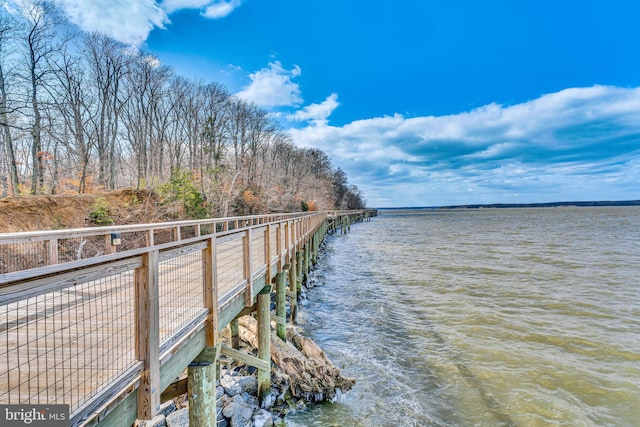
[(488, 317)]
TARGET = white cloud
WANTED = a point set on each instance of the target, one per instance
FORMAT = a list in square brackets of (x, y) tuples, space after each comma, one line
[(221, 9), (317, 113), (273, 87), (213, 9), (576, 144), (128, 21), (173, 5)]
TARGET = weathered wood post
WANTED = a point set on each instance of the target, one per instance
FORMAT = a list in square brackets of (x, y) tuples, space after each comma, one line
[(264, 349), (235, 333), (246, 249), (293, 287), (201, 386), (307, 262), (314, 249), (108, 247), (148, 335), (281, 304), (51, 251), (300, 272)]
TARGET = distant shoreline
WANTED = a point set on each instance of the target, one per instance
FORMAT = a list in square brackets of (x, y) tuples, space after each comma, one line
[(527, 205)]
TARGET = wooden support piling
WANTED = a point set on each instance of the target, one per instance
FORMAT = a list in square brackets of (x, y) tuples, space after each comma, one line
[(293, 288), (235, 333), (201, 388), (300, 271), (314, 249), (264, 349), (307, 262), (281, 304)]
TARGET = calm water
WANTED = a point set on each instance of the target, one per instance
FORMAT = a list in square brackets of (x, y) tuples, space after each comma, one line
[(505, 317)]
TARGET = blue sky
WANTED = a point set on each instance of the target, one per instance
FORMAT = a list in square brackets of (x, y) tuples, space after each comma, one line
[(422, 103)]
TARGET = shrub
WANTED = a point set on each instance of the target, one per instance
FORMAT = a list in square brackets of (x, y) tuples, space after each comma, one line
[(181, 189), (100, 213)]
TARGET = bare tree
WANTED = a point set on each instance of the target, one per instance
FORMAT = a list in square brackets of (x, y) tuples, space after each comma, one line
[(106, 62), (216, 128), (74, 105), (8, 163), (121, 116), (42, 43), (145, 84)]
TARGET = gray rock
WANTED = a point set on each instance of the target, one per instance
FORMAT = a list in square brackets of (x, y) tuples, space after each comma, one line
[(178, 418), (239, 421), (230, 385), (238, 411), (222, 401), (157, 421), (249, 384), (262, 418), (251, 400), (219, 391), (167, 407), (240, 398)]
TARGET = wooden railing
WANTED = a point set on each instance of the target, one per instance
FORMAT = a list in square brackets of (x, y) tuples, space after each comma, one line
[(95, 331)]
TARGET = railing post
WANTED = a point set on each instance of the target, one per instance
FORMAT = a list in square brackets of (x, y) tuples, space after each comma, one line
[(52, 252), (211, 291), (149, 238), (294, 241), (279, 246), (148, 335), (287, 236), (267, 251), (246, 246), (109, 248)]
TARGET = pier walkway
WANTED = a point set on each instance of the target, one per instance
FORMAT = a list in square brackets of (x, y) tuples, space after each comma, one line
[(106, 319)]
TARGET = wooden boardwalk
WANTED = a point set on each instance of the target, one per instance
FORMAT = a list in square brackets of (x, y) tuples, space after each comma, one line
[(107, 334)]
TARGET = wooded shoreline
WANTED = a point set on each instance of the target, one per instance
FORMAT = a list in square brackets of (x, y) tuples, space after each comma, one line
[(526, 205)]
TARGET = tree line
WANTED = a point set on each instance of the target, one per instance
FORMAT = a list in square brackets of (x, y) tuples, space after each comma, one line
[(82, 112)]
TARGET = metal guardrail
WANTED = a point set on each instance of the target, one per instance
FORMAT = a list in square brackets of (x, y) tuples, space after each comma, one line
[(88, 331), (33, 249)]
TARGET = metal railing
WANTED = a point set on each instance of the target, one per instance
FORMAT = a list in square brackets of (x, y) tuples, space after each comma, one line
[(25, 250), (88, 331)]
